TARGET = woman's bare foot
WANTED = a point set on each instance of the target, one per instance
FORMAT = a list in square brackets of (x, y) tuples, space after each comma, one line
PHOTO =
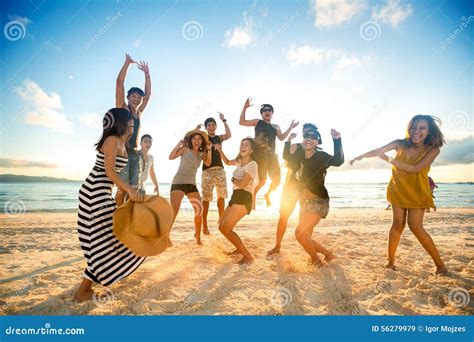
[(318, 263), (330, 257), (234, 252), (245, 260), (274, 250), (442, 271), (390, 265), (83, 295), (205, 231), (198, 239)]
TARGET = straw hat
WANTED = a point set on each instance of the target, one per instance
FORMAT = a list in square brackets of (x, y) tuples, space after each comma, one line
[(144, 227), (198, 131)]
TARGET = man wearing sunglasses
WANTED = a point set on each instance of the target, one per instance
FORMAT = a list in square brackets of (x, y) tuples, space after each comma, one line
[(265, 134), (293, 154), (136, 102)]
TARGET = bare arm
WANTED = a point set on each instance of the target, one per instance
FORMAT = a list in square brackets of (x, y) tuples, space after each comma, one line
[(227, 134), (376, 152), (421, 165), (242, 183), (143, 66), (207, 155), (282, 136), (243, 121), (119, 87), (153, 178), (110, 149), (218, 147), (177, 151)]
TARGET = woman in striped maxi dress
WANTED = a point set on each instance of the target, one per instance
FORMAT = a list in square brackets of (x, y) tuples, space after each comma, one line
[(108, 260)]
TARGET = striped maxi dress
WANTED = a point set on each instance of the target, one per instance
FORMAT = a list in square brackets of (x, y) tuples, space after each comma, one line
[(108, 260)]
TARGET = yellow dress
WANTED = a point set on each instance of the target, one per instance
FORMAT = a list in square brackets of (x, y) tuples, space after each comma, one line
[(410, 190)]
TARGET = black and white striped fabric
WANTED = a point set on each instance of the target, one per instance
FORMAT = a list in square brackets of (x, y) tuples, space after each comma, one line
[(108, 260)]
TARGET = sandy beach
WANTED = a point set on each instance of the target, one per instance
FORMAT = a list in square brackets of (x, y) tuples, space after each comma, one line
[(42, 263)]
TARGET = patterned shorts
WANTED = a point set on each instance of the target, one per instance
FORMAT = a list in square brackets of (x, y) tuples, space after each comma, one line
[(213, 177), (316, 205)]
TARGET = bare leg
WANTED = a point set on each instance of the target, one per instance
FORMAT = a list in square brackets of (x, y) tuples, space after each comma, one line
[(303, 235), (399, 219), (415, 222), (220, 207), (205, 210), (260, 185), (84, 292), (288, 205), (232, 215), (195, 197), (176, 197), (273, 186)]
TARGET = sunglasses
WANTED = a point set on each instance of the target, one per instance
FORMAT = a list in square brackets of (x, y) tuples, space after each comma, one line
[(310, 136), (267, 110)]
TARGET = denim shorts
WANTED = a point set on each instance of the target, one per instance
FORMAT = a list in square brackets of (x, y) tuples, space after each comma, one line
[(315, 205), (131, 172)]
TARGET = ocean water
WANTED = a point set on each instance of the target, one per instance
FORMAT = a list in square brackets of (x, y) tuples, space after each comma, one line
[(57, 197)]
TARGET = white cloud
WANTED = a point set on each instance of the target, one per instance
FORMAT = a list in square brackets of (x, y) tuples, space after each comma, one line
[(392, 13), (306, 54), (331, 13), (338, 59), (43, 109), (240, 36)]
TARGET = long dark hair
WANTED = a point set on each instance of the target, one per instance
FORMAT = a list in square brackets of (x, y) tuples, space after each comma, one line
[(115, 122), (257, 151), (434, 139)]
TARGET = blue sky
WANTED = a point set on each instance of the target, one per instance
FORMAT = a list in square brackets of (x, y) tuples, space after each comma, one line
[(362, 67)]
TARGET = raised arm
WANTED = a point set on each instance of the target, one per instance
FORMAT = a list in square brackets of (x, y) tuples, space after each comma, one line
[(426, 162), (110, 149), (227, 134), (119, 87), (289, 147), (218, 148), (243, 121), (376, 152), (178, 150), (338, 158), (143, 66), (282, 136)]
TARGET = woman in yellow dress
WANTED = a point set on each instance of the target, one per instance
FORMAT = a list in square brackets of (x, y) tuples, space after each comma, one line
[(409, 190)]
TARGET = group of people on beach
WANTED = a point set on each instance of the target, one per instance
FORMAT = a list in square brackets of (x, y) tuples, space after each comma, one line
[(119, 162)]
